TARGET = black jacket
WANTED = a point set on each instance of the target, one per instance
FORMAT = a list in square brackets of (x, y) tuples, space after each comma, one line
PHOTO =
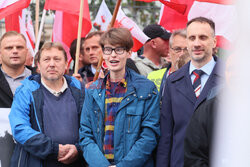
[(199, 134), (6, 96)]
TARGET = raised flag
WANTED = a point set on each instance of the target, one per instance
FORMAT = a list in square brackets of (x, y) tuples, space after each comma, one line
[(103, 17), (138, 36), (223, 13), (181, 8), (8, 7), (68, 6), (65, 29)]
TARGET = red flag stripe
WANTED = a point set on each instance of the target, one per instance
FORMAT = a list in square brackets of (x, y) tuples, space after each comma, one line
[(15, 7), (181, 8)]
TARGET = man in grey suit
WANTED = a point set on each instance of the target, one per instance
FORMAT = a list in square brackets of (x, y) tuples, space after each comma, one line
[(186, 89)]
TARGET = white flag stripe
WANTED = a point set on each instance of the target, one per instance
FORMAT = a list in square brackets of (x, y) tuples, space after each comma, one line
[(5, 3), (132, 26), (103, 17), (224, 17)]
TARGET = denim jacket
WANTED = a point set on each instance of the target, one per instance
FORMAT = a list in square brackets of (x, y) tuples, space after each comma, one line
[(136, 128)]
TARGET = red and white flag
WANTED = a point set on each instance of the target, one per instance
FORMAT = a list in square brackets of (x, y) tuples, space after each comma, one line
[(8, 7), (103, 17), (66, 20), (69, 6), (65, 29), (222, 12), (138, 35)]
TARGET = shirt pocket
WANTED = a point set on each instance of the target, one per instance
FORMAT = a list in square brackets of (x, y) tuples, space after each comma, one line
[(134, 118)]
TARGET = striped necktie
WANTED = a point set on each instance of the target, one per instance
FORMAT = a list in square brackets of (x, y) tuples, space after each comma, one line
[(197, 82)]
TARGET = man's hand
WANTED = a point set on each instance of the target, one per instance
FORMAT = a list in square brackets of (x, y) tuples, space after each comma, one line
[(71, 154), (62, 151)]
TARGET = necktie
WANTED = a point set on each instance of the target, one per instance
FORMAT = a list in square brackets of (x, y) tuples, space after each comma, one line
[(197, 82)]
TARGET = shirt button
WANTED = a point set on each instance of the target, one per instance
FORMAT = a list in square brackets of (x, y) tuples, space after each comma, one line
[(149, 95), (134, 94), (100, 94), (141, 96), (128, 99)]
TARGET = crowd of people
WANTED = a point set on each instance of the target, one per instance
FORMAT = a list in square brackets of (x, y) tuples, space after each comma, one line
[(144, 110)]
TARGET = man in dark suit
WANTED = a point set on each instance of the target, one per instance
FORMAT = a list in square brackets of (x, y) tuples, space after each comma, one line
[(182, 94)]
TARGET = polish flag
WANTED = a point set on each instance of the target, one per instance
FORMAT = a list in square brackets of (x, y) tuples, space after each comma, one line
[(222, 12), (8, 7), (138, 35), (65, 29), (103, 17), (66, 20), (69, 6)]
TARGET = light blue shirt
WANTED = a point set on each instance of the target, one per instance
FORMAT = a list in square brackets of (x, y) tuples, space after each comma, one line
[(207, 69)]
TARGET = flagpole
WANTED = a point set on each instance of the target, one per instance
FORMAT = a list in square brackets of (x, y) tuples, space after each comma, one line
[(37, 17), (112, 22), (38, 39), (79, 37)]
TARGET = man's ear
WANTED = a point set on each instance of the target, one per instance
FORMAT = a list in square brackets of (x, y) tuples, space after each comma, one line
[(153, 43)]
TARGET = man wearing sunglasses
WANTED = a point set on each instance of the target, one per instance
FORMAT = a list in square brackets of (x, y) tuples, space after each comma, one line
[(120, 117)]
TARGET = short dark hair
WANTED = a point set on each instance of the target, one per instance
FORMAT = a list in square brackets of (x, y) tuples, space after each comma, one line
[(95, 33), (203, 20), (72, 49), (117, 36), (11, 33), (50, 45)]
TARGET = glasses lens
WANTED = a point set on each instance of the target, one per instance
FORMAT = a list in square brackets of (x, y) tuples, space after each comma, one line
[(119, 50), (107, 50)]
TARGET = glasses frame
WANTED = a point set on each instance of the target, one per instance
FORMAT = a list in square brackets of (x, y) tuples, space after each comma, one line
[(115, 50), (179, 49)]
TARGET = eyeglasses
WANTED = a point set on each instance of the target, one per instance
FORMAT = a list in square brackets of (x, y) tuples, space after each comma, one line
[(118, 50), (179, 49)]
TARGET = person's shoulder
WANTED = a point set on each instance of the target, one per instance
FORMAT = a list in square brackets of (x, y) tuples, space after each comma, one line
[(179, 74), (141, 83), (30, 84), (72, 81), (155, 74)]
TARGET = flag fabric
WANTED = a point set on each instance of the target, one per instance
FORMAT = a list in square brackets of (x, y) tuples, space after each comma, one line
[(222, 12), (65, 29), (72, 7), (103, 17), (8, 7), (30, 27), (181, 8), (17, 22), (138, 35)]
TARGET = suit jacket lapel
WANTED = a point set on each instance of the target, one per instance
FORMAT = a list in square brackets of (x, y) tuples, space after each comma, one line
[(184, 85)]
